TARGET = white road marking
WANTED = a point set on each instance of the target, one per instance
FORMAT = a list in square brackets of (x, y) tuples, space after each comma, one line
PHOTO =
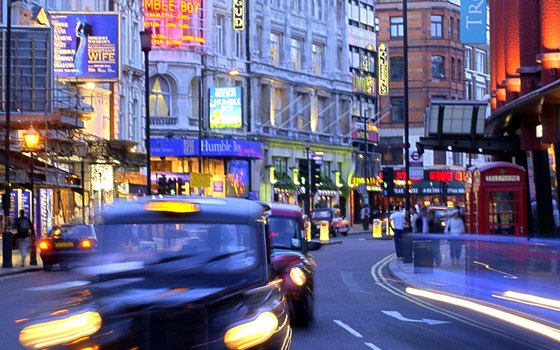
[(371, 346), (348, 280), (348, 328), (400, 317)]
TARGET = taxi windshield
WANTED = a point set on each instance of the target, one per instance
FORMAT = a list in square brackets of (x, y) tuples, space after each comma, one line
[(187, 246), (321, 214), (283, 231)]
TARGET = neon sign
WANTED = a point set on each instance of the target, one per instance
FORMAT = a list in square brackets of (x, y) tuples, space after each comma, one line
[(177, 24), (383, 69)]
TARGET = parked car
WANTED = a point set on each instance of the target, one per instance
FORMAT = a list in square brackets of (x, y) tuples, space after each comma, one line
[(67, 245), (337, 223), (292, 260), (172, 273)]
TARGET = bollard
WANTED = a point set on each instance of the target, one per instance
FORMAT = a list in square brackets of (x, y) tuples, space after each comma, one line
[(423, 256), (377, 229), (324, 231)]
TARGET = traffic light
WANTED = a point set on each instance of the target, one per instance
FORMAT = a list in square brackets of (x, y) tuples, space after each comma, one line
[(182, 187), (444, 187), (172, 187), (388, 180), (315, 175), (303, 172), (162, 185)]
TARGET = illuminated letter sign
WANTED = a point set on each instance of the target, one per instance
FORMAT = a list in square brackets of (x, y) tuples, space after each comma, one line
[(383, 69), (473, 21), (177, 24), (238, 17)]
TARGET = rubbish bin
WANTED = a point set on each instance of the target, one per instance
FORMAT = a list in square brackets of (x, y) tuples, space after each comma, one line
[(423, 256), (377, 228), (324, 231)]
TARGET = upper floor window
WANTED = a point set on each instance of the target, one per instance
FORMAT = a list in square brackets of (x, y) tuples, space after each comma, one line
[(296, 46), (280, 164), (480, 61), (220, 33), (468, 58), (317, 58), (377, 24), (318, 9), (437, 26), (440, 158), (160, 97), (275, 44), (460, 71), (480, 91), (468, 89), (452, 28), (396, 68), (397, 27), (397, 110), (438, 67), (238, 44), (452, 68), (296, 6)]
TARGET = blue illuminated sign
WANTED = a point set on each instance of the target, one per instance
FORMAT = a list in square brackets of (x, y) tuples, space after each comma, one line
[(474, 21), (210, 148)]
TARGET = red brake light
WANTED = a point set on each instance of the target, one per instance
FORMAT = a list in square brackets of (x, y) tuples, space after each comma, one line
[(86, 243), (44, 245)]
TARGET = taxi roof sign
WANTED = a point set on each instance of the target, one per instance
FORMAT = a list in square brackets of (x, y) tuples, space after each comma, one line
[(172, 206)]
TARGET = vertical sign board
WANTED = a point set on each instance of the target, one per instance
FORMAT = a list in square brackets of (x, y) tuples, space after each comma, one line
[(238, 18), (474, 21), (226, 107), (86, 45), (383, 69)]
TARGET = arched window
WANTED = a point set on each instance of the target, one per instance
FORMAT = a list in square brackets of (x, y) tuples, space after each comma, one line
[(160, 97)]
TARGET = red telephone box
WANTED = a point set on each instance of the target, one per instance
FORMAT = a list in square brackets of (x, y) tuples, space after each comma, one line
[(498, 203), (469, 225)]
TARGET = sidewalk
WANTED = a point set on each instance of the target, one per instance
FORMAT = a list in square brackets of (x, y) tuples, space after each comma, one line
[(16, 262), (483, 285)]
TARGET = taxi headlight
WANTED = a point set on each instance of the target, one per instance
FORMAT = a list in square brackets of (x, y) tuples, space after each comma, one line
[(247, 335), (46, 334), (298, 276)]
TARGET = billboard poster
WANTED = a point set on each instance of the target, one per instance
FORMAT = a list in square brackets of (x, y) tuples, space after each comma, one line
[(175, 24), (86, 45), (225, 107), (474, 22), (237, 184), (358, 131)]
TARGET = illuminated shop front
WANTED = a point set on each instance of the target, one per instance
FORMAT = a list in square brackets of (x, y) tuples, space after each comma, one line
[(226, 166)]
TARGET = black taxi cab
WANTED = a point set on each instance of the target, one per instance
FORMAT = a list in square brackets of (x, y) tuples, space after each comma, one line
[(173, 273)]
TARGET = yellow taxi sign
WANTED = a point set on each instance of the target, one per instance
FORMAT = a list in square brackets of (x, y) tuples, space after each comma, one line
[(172, 207)]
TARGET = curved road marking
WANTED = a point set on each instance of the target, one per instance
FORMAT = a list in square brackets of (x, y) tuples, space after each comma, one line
[(349, 281), (383, 282)]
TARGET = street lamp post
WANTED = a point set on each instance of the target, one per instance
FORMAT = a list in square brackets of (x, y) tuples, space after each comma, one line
[(407, 240), (308, 182), (31, 138), (7, 234), (82, 150), (365, 224), (146, 43)]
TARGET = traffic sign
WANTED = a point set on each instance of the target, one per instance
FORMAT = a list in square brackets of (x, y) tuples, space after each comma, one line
[(415, 156), (362, 189)]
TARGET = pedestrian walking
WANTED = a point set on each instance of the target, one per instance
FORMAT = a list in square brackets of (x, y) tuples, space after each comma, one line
[(364, 216), (396, 222), (433, 228), (415, 221), (455, 227), (24, 228)]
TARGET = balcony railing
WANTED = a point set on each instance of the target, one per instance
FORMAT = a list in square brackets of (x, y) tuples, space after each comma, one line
[(164, 121)]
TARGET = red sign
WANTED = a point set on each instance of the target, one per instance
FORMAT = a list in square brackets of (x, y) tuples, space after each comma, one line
[(437, 175), (177, 24)]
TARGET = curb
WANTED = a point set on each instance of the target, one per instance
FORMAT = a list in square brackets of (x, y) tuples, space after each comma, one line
[(17, 271)]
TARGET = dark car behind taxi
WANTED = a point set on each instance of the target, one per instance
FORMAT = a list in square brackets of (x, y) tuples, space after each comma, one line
[(67, 245), (173, 273), (292, 260)]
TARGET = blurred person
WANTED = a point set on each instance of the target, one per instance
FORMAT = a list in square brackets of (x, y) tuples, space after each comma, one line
[(455, 227), (424, 217), (415, 221), (24, 228), (396, 221), (433, 228), (364, 216)]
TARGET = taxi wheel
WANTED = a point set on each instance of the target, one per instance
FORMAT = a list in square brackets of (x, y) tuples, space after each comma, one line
[(345, 233), (304, 312), (48, 267), (334, 232)]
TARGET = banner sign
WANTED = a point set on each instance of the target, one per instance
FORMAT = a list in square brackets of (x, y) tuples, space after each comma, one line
[(383, 69), (364, 84), (474, 21), (238, 18), (226, 107), (175, 24), (210, 148), (361, 38), (237, 178), (358, 131), (86, 45)]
